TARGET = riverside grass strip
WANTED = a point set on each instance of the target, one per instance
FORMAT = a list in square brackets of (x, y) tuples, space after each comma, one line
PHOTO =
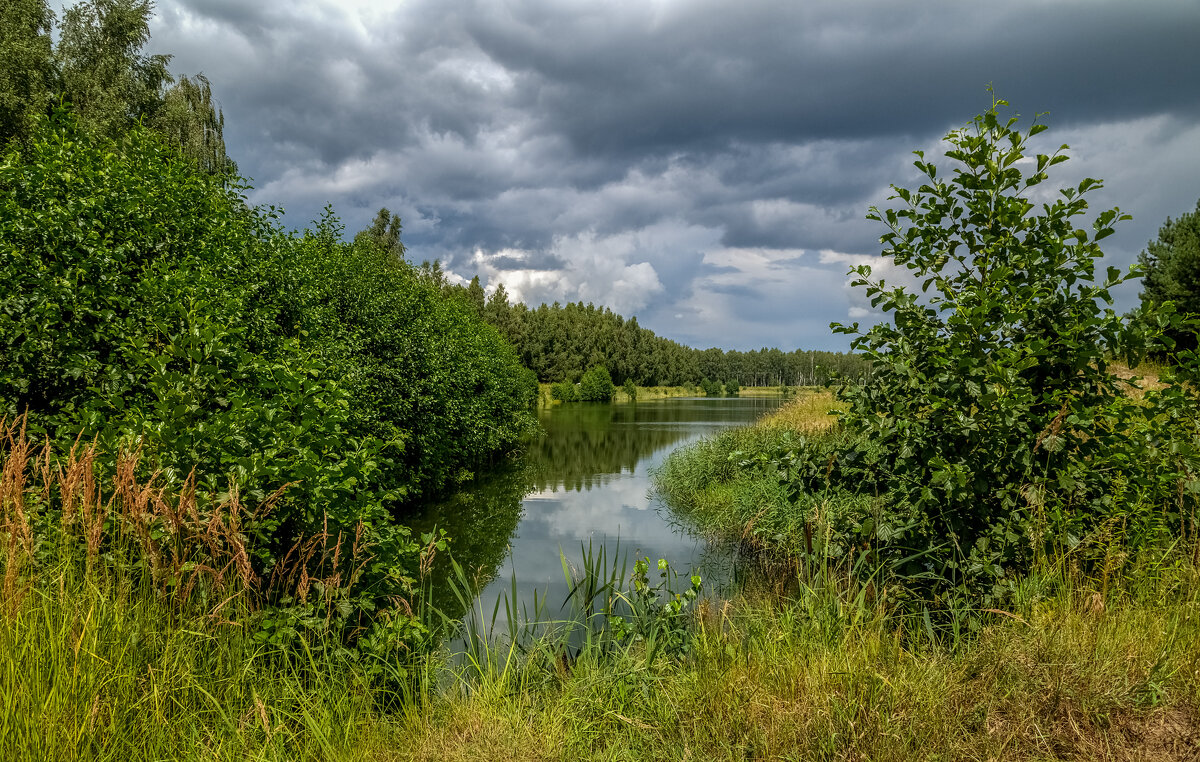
[(1071, 675)]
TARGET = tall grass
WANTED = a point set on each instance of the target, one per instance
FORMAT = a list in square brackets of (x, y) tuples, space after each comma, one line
[(132, 623), (1070, 673), (110, 671), (101, 657), (729, 487)]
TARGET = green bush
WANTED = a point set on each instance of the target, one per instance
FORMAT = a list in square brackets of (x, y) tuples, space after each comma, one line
[(997, 420), (420, 367), (596, 385), (732, 388), (565, 391), (146, 305)]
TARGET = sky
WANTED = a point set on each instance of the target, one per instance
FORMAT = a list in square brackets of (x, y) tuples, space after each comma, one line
[(706, 166)]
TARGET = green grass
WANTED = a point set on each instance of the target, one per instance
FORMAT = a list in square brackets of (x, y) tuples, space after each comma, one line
[(90, 670), (1076, 669), (707, 484), (98, 660), (1070, 674), (94, 672)]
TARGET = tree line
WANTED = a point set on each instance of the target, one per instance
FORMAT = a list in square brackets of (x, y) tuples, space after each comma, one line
[(98, 66), (560, 342)]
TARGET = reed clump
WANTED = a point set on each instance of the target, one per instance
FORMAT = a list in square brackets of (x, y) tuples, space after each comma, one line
[(135, 622), (194, 551)]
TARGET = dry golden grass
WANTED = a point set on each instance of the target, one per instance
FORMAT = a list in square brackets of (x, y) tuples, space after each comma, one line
[(183, 542), (808, 413), (1146, 375)]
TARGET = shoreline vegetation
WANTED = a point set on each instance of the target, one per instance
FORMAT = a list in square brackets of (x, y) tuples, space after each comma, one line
[(1077, 667), (621, 395), (212, 431)]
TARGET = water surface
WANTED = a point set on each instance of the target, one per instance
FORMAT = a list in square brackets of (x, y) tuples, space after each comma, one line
[(585, 481)]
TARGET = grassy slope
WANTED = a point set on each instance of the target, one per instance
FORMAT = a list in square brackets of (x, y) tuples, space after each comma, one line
[(704, 485), (94, 673), (1071, 675)]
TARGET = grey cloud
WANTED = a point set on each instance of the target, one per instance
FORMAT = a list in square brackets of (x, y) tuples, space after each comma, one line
[(541, 132)]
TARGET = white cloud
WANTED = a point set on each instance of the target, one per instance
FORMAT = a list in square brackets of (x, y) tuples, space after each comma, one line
[(595, 269)]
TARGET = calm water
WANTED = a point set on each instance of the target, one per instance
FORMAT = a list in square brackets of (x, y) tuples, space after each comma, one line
[(585, 481)]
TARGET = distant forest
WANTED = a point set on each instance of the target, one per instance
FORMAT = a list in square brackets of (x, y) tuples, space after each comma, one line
[(559, 342)]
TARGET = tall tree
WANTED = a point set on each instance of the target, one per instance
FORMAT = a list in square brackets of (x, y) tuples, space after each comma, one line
[(384, 233), (105, 75), (26, 63), (1172, 271), (188, 116), (476, 295)]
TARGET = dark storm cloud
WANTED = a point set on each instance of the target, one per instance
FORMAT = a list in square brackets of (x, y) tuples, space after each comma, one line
[(700, 159)]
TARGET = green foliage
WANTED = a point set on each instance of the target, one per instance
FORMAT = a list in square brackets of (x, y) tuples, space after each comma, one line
[(711, 388), (26, 63), (657, 616), (776, 492), (207, 338), (156, 267), (596, 385), (98, 67), (418, 366), (731, 388), (188, 117), (630, 390), (565, 391), (991, 400), (105, 76), (383, 235), (1172, 272)]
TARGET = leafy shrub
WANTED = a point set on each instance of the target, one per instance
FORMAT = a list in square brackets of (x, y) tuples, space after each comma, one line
[(991, 401), (145, 305), (596, 385), (732, 388), (711, 388), (565, 391), (657, 615), (418, 366)]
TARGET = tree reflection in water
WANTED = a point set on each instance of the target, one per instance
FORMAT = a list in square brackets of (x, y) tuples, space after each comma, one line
[(582, 479)]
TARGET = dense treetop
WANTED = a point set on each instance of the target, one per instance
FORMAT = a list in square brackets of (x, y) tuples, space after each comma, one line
[(1172, 271), (99, 67), (560, 342)]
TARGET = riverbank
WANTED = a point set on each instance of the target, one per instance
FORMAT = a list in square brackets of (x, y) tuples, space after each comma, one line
[(94, 664), (1070, 673), (722, 486), (1073, 671), (546, 399)]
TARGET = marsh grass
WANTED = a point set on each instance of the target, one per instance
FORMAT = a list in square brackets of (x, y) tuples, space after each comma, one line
[(130, 621), (1070, 673)]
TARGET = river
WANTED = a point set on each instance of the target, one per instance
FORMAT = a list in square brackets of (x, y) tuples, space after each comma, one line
[(586, 480)]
